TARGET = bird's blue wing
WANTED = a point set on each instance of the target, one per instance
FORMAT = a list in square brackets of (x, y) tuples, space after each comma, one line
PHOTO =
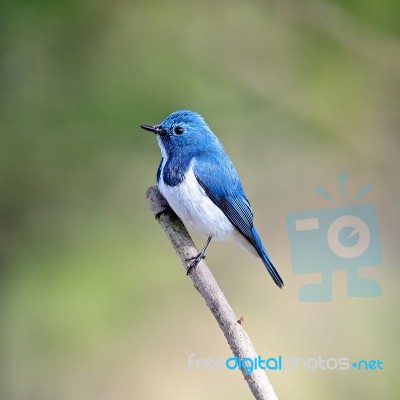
[(221, 183)]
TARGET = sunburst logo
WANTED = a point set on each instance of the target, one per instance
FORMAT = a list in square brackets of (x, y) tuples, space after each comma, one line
[(343, 237)]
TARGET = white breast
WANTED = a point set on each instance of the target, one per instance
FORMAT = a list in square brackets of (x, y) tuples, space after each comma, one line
[(194, 208)]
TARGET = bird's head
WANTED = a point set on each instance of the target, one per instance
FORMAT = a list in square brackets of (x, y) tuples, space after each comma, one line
[(183, 132)]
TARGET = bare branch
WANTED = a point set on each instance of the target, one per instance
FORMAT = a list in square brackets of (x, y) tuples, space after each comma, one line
[(205, 283)]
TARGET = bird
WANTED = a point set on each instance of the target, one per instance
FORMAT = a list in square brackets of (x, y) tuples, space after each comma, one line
[(201, 185)]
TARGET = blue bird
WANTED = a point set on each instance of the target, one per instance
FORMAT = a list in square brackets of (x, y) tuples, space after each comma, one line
[(202, 186)]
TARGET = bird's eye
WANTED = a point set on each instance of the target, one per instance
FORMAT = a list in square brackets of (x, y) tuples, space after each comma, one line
[(178, 130)]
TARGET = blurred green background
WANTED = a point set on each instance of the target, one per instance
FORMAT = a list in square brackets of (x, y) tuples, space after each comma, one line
[(93, 301)]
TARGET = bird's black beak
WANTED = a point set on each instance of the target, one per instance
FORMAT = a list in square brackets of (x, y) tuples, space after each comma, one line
[(151, 128)]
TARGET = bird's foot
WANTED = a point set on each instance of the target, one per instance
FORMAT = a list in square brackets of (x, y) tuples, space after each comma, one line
[(199, 256), (195, 260), (166, 210)]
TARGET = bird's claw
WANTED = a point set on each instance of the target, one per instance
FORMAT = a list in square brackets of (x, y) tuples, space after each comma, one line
[(195, 261), (167, 210)]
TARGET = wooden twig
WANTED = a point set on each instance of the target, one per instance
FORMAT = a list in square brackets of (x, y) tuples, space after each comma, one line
[(205, 283)]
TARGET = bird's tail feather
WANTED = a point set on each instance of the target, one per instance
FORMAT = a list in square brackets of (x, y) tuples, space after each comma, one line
[(254, 246), (266, 260), (272, 270)]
